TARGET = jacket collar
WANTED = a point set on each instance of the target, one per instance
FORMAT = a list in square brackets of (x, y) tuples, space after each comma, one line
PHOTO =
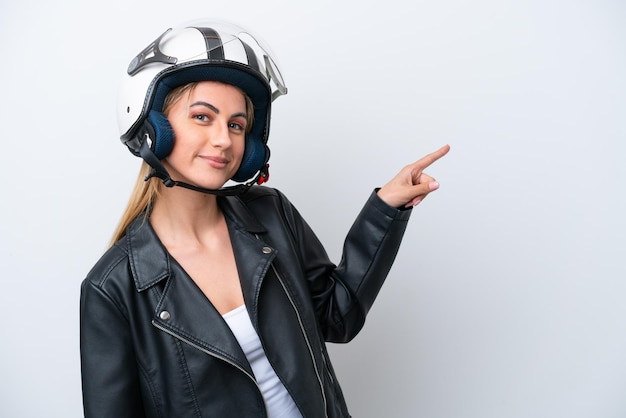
[(149, 260)]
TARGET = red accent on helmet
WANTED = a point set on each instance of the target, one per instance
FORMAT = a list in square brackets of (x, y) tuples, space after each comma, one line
[(265, 175)]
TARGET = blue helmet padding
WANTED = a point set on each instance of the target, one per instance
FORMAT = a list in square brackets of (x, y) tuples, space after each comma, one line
[(164, 135), (255, 155)]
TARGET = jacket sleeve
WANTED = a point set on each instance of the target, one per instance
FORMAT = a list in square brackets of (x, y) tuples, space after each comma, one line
[(108, 366), (343, 294)]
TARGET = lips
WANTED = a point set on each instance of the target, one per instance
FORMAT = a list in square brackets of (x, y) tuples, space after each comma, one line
[(215, 162)]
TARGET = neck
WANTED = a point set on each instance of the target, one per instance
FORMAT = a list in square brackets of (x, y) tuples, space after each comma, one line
[(180, 214)]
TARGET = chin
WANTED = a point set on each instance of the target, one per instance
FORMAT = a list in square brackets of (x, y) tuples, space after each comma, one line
[(213, 182), (209, 185)]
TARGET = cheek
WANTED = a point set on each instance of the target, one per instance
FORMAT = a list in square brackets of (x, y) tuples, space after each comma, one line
[(185, 139)]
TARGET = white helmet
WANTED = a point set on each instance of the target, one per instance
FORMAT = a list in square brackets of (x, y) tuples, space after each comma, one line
[(197, 51)]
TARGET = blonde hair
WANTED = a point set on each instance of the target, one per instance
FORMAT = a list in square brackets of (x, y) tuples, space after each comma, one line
[(146, 192), (141, 200)]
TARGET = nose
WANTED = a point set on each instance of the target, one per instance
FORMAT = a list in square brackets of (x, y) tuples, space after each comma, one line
[(220, 135)]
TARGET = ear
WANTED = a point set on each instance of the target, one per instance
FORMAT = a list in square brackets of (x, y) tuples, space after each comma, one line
[(163, 140)]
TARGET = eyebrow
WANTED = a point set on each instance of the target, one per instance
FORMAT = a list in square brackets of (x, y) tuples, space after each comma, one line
[(216, 110)]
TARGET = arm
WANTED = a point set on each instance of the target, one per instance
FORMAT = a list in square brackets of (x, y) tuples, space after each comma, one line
[(108, 365), (369, 251), (343, 295)]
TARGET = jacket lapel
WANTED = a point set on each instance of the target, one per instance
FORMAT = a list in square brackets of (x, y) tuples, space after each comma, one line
[(187, 314), (252, 255), (253, 258), (183, 311)]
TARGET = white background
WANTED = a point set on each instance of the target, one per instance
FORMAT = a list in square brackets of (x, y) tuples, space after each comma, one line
[(508, 295)]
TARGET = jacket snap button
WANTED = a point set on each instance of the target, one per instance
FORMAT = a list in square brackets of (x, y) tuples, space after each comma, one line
[(164, 315), (266, 250)]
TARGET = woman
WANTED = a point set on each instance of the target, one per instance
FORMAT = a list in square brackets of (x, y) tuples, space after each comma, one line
[(216, 300)]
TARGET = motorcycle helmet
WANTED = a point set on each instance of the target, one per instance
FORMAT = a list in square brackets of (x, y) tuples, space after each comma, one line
[(198, 51)]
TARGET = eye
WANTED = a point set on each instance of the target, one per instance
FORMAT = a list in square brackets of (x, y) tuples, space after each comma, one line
[(202, 117), (236, 126)]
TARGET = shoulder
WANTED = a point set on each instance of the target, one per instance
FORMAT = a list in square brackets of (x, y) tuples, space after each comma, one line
[(265, 198), (261, 208), (110, 264), (260, 192)]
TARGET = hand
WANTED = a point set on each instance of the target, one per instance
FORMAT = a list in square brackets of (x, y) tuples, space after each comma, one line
[(411, 185)]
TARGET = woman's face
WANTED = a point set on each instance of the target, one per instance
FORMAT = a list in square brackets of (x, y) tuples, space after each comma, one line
[(209, 123)]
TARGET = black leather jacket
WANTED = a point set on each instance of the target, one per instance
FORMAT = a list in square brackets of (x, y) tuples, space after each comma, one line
[(153, 346)]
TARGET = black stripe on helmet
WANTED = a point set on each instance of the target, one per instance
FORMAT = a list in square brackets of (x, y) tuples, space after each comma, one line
[(214, 47), (252, 61)]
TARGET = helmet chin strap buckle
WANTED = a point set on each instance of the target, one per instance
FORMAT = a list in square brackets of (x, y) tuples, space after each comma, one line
[(264, 174), (168, 182), (166, 179)]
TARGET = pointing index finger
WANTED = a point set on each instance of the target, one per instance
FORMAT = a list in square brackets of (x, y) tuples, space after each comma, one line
[(424, 162)]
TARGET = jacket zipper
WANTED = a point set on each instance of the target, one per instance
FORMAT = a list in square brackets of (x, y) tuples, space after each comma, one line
[(186, 341), (306, 338)]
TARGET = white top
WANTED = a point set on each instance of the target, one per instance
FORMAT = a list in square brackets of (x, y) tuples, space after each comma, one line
[(277, 400)]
